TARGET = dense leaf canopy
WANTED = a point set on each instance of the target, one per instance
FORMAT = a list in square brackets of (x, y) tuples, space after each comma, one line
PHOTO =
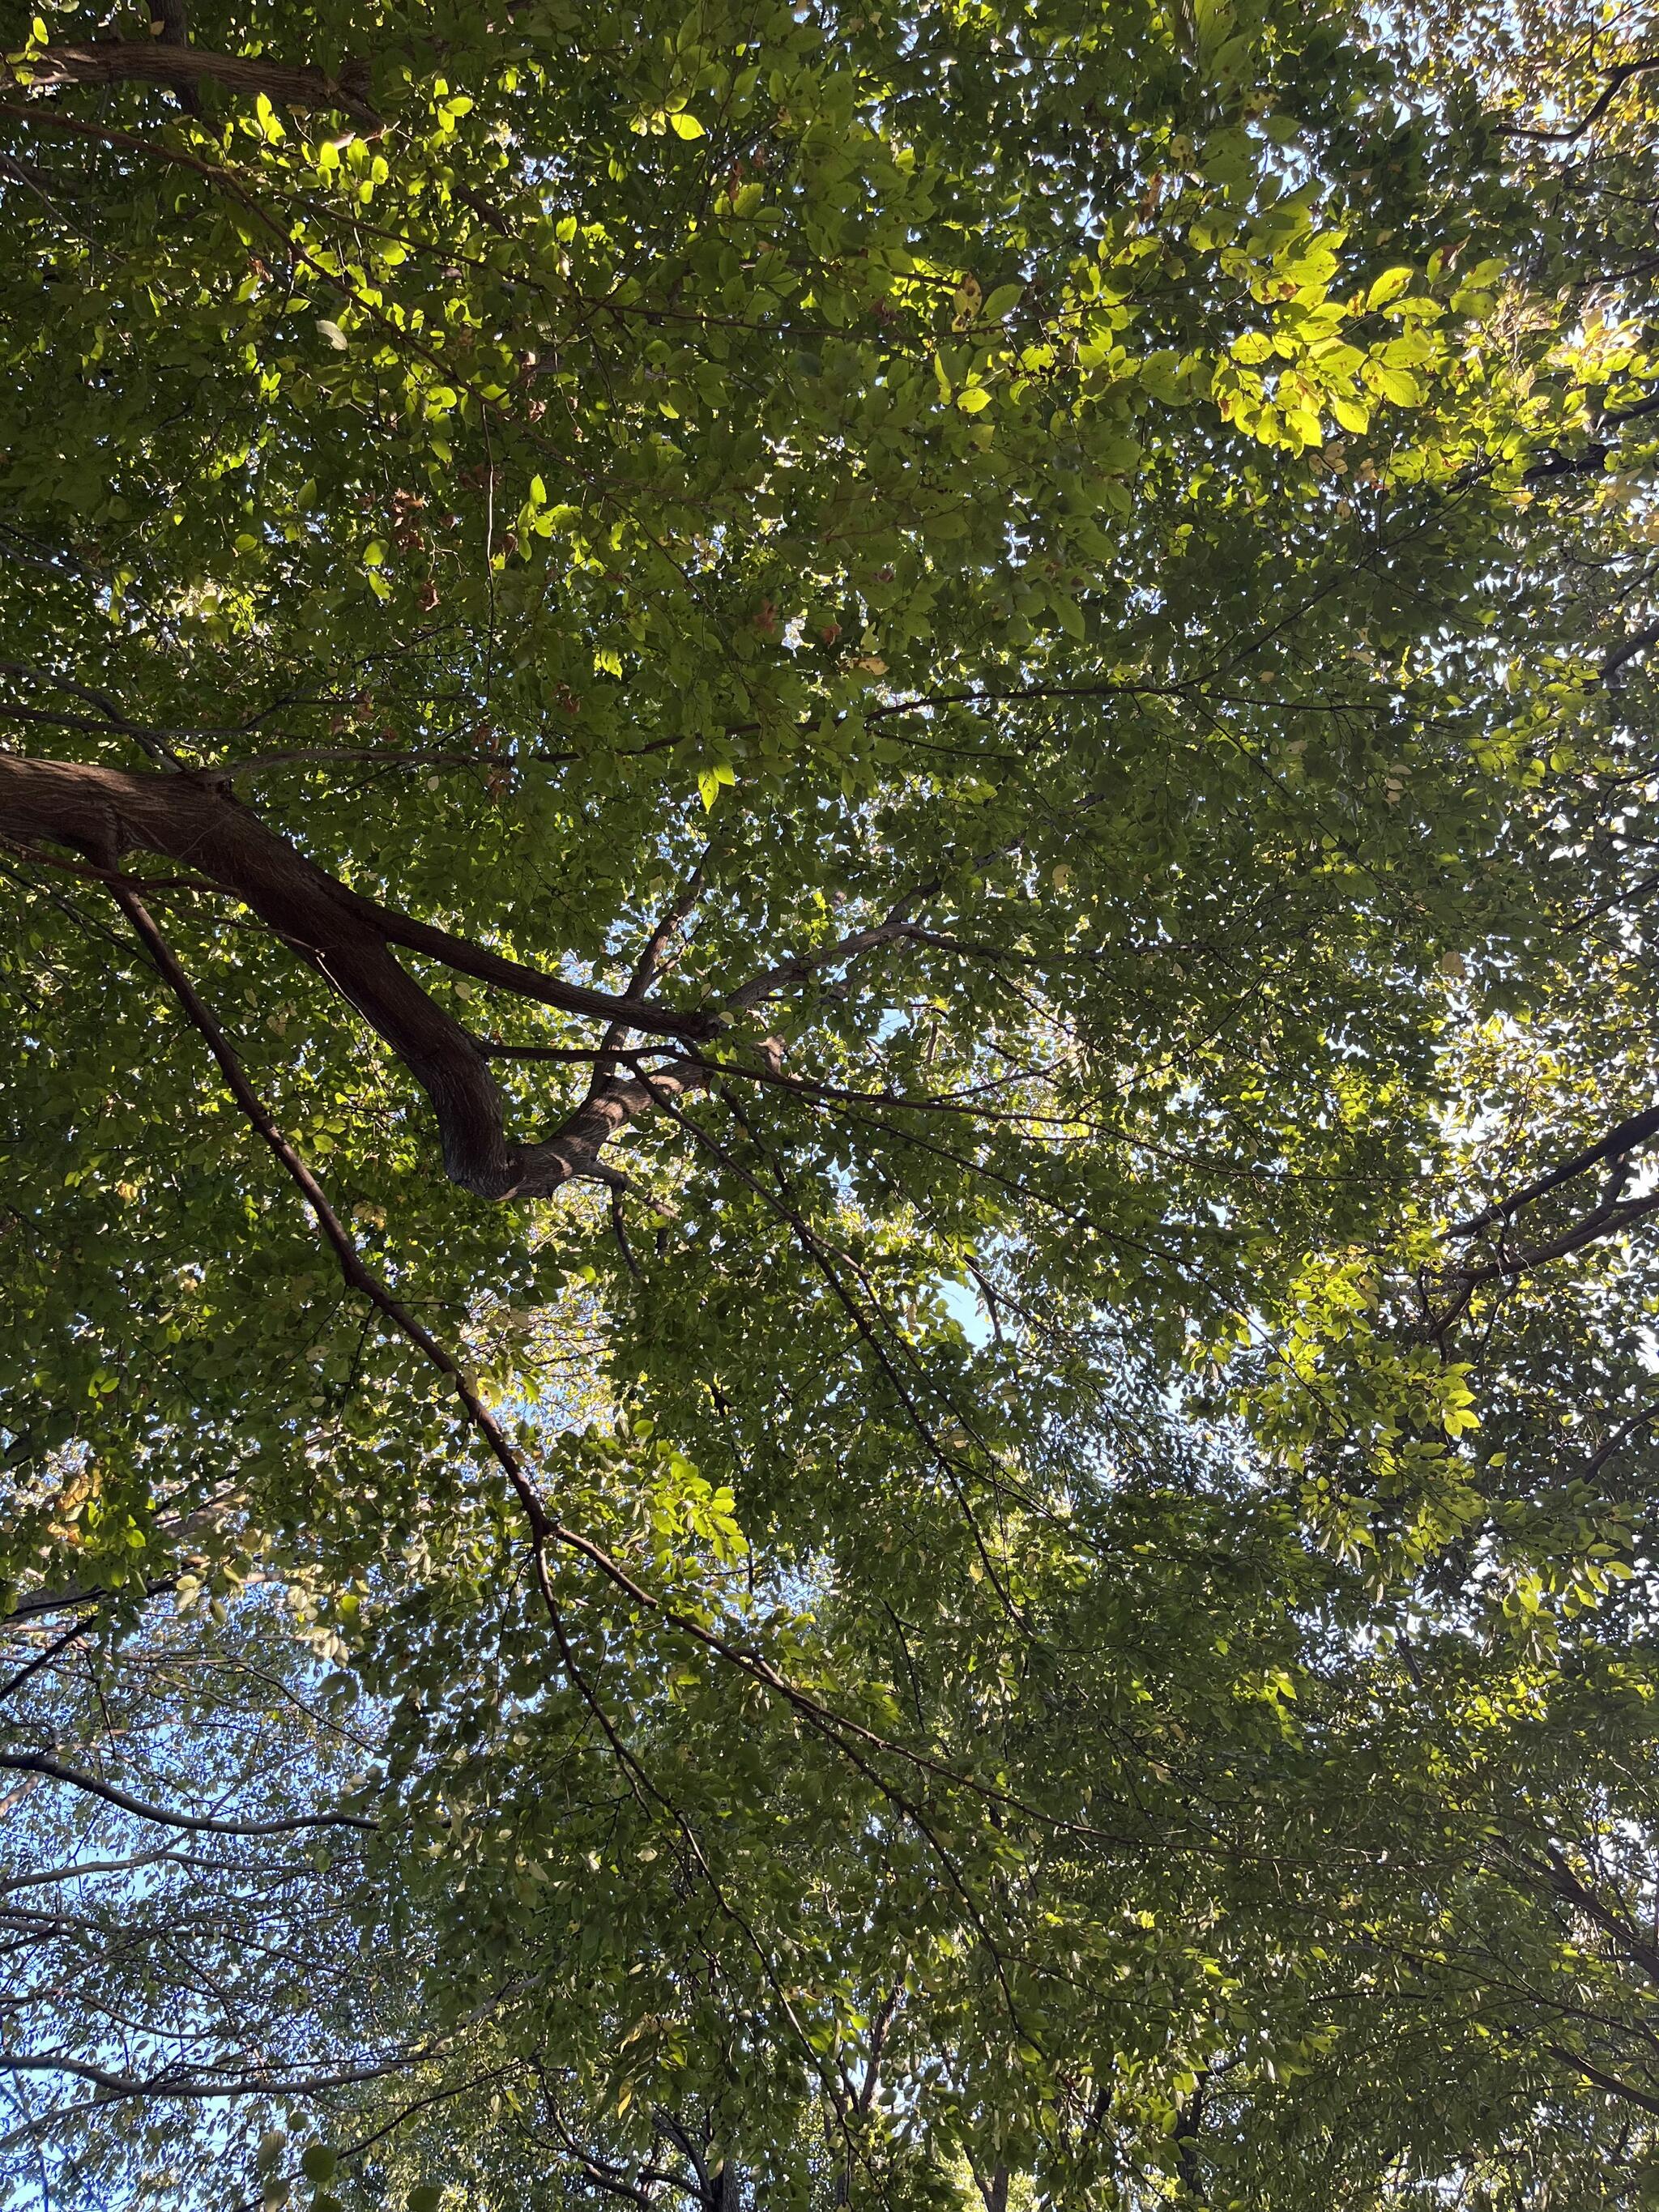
[(829, 1263)]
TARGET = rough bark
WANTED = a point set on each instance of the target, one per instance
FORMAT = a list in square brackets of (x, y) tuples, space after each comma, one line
[(179, 68), (192, 820)]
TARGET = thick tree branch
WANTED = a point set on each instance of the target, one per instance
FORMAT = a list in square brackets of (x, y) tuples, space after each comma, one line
[(105, 813), (578, 1141), (178, 67), (1607, 1221), (1637, 643)]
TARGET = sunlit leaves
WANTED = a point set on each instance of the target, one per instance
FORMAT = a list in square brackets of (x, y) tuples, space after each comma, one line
[(999, 557)]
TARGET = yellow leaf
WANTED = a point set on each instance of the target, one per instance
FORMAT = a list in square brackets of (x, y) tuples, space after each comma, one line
[(686, 126), (1388, 286), (1402, 387)]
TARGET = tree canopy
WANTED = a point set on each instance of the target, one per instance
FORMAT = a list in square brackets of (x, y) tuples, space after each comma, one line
[(825, 1179)]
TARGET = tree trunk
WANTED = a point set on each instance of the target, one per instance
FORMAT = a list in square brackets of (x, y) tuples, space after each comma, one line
[(994, 2188)]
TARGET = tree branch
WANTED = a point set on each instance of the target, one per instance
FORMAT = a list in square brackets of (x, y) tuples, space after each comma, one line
[(845, 1734), (800, 965), (1615, 1145), (1607, 1221), (1610, 2082), (105, 813), (161, 2085), (1567, 1886), (34, 1762), (179, 68), (1616, 78), (72, 1634)]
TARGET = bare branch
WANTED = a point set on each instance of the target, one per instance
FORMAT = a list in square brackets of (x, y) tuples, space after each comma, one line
[(226, 2085), (59, 1645)]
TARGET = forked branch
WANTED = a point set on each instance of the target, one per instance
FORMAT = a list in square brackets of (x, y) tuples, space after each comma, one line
[(193, 820)]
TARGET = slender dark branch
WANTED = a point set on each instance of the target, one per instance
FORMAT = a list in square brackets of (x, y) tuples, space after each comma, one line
[(175, 2085), (800, 965), (38, 1603), (1618, 1142), (351, 2150), (612, 2179), (853, 1739), (152, 741), (1631, 1942), (89, 874), (1616, 78), (36, 1762), (357, 1276), (72, 1634), (1610, 2082), (645, 972), (492, 1048)]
